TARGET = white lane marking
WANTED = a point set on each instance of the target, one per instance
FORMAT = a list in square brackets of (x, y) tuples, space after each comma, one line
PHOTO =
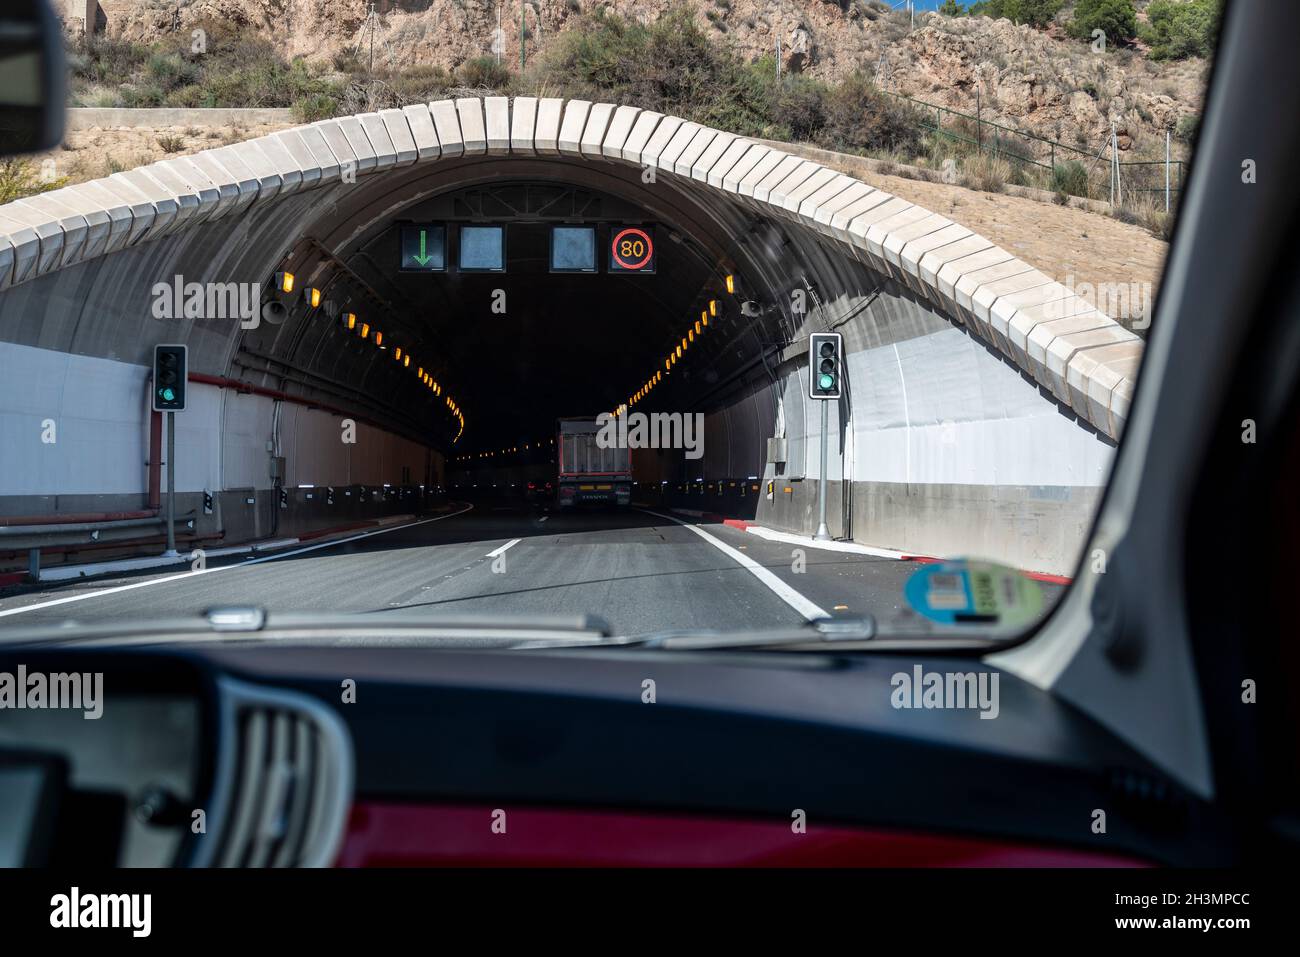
[(497, 551), (794, 599), (223, 568), (543, 518), (803, 541)]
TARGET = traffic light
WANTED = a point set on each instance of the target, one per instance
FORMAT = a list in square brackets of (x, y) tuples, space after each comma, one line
[(825, 359), (170, 369)]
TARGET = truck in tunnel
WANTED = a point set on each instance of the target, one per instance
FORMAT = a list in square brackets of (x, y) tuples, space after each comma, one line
[(590, 472)]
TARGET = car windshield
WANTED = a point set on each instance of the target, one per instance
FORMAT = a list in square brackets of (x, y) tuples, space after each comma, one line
[(690, 318)]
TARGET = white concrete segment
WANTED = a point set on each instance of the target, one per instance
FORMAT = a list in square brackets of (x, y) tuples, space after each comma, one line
[(6, 262), (663, 134), (571, 127), (814, 200), (496, 123), (281, 160), (1086, 359), (164, 205), (727, 162), (420, 122), (131, 214), (674, 148), (24, 250), (313, 141), (550, 112), (399, 134), (222, 167), (620, 126), (707, 159), (349, 127), (523, 124), (447, 125), (686, 160), (786, 167), (473, 130), (188, 210), (646, 123), (43, 240), (593, 132), (45, 208), (733, 177), (379, 140)]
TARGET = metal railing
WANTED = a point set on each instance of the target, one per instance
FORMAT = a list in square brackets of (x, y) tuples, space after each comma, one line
[(32, 538), (1029, 149)]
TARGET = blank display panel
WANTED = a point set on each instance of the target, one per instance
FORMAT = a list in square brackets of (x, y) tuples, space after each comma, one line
[(483, 248), (573, 249)]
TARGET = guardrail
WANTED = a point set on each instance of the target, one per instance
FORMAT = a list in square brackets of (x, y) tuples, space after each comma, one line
[(25, 535)]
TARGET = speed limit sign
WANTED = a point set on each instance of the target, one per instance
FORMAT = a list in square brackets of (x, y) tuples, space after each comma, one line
[(632, 249)]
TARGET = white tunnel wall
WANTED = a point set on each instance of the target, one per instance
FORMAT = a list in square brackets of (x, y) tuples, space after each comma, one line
[(97, 413)]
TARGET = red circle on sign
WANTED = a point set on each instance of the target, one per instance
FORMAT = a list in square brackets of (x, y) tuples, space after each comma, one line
[(649, 248)]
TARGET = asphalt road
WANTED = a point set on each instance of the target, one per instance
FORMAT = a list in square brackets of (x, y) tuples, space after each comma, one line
[(640, 571)]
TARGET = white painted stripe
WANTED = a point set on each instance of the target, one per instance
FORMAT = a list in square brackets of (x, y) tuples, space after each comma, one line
[(223, 568), (805, 541), (794, 599), (497, 551)]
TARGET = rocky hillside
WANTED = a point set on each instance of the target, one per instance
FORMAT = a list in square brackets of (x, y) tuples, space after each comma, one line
[(1040, 81)]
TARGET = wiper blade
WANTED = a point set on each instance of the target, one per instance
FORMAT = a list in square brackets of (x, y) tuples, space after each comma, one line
[(858, 633), (250, 623)]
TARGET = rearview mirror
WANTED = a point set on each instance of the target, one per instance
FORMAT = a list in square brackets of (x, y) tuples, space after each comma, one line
[(32, 77)]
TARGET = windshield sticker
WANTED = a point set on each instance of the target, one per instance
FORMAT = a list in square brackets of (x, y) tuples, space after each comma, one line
[(964, 592)]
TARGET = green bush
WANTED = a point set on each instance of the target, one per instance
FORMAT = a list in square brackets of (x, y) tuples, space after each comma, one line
[(1036, 13), (484, 73), (1178, 30), (319, 106), (1070, 178), (18, 178), (1116, 18)]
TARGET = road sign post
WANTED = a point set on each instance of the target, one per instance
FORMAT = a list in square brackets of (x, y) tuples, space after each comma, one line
[(825, 358)]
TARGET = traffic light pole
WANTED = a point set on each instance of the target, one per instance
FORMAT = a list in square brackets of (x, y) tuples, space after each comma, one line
[(823, 533), (171, 487)]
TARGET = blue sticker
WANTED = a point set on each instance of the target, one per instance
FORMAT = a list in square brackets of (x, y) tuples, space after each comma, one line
[(964, 592)]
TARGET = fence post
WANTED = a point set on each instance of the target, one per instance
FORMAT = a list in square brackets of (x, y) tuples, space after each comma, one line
[(979, 124), (1166, 170)]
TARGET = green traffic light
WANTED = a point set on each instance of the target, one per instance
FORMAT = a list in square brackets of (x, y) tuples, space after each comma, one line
[(826, 382), (168, 395)]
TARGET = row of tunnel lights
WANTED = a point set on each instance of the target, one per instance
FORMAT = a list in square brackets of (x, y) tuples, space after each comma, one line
[(285, 281), (670, 360), (508, 450)]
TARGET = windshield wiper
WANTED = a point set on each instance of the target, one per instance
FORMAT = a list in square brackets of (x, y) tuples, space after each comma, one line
[(858, 633), (251, 623)]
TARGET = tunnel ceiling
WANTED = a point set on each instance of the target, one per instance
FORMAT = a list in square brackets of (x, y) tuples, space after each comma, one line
[(529, 345)]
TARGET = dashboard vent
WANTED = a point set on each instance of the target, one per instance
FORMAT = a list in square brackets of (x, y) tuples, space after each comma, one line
[(284, 781)]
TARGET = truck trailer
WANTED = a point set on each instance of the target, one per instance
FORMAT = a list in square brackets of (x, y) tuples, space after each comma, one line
[(589, 474)]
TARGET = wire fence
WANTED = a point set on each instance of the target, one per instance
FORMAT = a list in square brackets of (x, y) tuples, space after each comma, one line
[(1068, 169)]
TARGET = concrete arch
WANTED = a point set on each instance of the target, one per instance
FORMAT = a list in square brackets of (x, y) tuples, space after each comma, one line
[(1080, 356)]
